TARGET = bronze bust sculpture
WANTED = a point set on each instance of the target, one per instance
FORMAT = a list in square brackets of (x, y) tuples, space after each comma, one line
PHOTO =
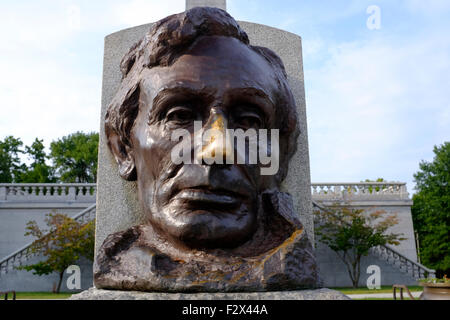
[(211, 227)]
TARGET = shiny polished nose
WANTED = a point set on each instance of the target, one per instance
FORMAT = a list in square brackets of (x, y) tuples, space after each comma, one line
[(217, 144)]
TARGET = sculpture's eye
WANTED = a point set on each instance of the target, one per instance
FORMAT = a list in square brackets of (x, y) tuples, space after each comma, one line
[(180, 115), (248, 120)]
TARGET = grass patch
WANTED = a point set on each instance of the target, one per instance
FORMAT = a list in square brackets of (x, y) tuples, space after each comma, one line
[(41, 295), (384, 289), (398, 298)]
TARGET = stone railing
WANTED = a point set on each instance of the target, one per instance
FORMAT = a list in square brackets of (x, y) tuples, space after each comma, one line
[(359, 191), (86, 192), (19, 257), (404, 264), (394, 258), (48, 192)]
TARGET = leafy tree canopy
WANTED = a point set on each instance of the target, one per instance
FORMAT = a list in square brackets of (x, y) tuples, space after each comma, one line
[(10, 163), (75, 157), (38, 171), (431, 210)]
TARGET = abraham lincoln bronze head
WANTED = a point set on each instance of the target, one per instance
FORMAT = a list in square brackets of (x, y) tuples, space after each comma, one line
[(212, 225)]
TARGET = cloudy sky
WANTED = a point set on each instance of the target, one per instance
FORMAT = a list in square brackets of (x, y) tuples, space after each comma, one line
[(378, 98)]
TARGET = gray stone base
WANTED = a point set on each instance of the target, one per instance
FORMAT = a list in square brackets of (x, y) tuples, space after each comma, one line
[(320, 294)]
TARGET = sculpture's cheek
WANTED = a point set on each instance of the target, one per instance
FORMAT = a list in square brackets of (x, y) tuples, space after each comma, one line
[(152, 152)]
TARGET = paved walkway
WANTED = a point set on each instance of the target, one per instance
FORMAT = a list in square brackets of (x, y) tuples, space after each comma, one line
[(415, 294)]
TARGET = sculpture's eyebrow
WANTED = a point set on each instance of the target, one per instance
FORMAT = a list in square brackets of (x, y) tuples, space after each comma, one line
[(177, 93), (184, 92)]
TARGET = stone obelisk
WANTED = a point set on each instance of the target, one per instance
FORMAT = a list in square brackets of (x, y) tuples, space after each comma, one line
[(221, 4)]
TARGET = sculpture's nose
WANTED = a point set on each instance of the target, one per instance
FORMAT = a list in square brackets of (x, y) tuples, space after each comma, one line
[(217, 145)]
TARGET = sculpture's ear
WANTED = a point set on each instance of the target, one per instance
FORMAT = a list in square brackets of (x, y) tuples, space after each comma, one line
[(119, 121), (124, 156)]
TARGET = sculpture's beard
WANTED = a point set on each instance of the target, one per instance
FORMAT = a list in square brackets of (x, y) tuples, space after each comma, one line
[(202, 206)]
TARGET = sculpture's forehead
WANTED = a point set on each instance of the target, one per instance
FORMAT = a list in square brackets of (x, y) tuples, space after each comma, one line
[(219, 63)]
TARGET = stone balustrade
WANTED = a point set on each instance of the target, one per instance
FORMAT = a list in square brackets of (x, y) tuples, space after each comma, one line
[(86, 192), (48, 192), (405, 265), (359, 191)]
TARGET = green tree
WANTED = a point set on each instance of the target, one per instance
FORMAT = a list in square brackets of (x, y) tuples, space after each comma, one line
[(352, 232), (431, 210), (10, 164), (63, 244), (378, 180), (75, 157), (376, 188), (38, 171)]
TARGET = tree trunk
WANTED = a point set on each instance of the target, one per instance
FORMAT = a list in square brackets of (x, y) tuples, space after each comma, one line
[(61, 275), (353, 267), (349, 265), (356, 271), (355, 277)]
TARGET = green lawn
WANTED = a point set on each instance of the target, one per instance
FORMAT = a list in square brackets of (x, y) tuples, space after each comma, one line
[(384, 289), (40, 295)]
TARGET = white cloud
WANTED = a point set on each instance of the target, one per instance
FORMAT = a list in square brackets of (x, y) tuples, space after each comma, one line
[(428, 7), (377, 107), (312, 47), (137, 12), (35, 25), (74, 17), (47, 101), (45, 93)]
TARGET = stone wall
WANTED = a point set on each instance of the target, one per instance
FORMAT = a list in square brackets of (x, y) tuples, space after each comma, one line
[(14, 218), (15, 214), (24, 281), (21, 203), (333, 271)]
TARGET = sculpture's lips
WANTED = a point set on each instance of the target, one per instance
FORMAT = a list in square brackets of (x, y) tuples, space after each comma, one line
[(204, 195)]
